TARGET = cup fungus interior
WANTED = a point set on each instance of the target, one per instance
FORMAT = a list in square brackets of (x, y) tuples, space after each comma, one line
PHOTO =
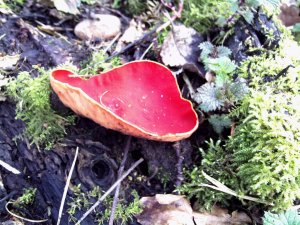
[(144, 94)]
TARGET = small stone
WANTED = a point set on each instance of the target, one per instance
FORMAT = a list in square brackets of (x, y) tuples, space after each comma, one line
[(105, 27)]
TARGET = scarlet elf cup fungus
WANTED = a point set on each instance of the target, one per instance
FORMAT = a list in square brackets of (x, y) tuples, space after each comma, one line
[(140, 98)]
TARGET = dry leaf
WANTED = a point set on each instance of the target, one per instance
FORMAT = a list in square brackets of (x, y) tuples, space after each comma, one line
[(131, 34), (181, 48), (289, 14), (220, 216), (165, 210), (67, 6), (8, 62)]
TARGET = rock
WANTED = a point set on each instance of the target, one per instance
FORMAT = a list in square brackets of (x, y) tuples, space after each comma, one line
[(104, 27)]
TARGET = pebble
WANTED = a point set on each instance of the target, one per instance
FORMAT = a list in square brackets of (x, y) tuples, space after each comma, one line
[(103, 28)]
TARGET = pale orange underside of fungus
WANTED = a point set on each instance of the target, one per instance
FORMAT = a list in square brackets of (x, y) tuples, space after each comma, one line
[(140, 98)]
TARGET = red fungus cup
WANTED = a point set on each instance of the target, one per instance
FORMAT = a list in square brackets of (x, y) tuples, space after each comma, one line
[(140, 98)]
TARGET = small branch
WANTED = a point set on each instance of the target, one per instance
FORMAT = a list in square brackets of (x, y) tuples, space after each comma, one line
[(177, 13), (223, 188), (110, 190), (10, 195), (23, 218), (67, 187), (120, 171), (9, 167), (180, 158), (111, 43), (146, 51), (188, 84)]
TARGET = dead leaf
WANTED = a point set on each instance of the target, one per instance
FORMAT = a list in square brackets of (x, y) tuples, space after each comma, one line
[(165, 210), (67, 6), (131, 34), (181, 48), (8, 62), (220, 216), (289, 14)]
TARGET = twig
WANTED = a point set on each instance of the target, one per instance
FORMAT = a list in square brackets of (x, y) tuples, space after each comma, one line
[(188, 84), (223, 188), (9, 167), (180, 158), (136, 42), (11, 194), (110, 190), (66, 188), (177, 13), (146, 51), (22, 218), (111, 43), (120, 171)]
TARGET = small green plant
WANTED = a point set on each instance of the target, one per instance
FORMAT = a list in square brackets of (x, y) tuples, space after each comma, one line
[(93, 67), (220, 122), (89, 2), (124, 210), (44, 126), (27, 198), (223, 92), (290, 217)]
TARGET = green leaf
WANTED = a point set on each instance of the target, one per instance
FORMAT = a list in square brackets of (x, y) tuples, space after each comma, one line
[(221, 66), (219, 122), (209, 98), (207, 48), (248, 15), (290, 217)]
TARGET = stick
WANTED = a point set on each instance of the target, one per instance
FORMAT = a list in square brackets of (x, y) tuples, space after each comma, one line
[(111, 43), (221, 187), (180, 158), (9, 167), (110, 190), (147, 50), (66, 188), (23, 218), (120, 171)]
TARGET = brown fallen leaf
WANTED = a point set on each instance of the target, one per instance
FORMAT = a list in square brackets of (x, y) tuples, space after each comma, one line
[(67, 6), (289, 14), (131, 34), (220, 216), (181, 48), (176, 210), (165, 210)]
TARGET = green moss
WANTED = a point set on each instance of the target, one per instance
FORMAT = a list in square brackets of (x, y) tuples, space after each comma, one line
[(136, 7), (216, 162), (262, 157), (44, 127), (202, 15), (93, 66), (266, 145)]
